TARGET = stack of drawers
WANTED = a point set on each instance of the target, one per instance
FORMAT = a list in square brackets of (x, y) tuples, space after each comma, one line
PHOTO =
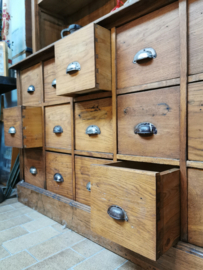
[(134, 204)]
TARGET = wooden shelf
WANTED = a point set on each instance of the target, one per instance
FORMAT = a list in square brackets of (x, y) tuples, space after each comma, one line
[(7, 84)]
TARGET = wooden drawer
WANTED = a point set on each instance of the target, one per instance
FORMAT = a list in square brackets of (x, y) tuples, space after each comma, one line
[(157, 107), (58, 116), (146, 218), (33, 167), (50, 83), (94, 116), (195, 204), (158, 30), (195, 37), (23, 127), (195, 121), (59, 174), (31, 85), (82, 174), (87, 53)]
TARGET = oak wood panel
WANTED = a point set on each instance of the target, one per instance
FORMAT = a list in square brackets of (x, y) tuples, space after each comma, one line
[(51, 149), (195, 203), (159, 30), (34, 158), (94, 154), (195, 122), (59, 163), (92, 96), (96, 112), (195, 164), (31, 76), (73, 147), (13, 118), (49, 90), (82, 172), (54, 116), (159, 107)]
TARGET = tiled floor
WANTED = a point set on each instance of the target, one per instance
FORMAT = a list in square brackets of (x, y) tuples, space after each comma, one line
[(30, 240)]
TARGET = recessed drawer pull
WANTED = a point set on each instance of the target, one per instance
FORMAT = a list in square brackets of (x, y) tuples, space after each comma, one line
[(33, 170), (145, 129), (12, 130), (31, 89), (93, 130), (74, 66), (58, 178), (53, 83), (146, 53), (88, 186), (57, 130), (117, 213)]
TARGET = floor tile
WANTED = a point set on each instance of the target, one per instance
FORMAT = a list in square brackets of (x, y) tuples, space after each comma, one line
[(17, 262), (7, 224), (55, 245), (87, 248), (60, 228), (3, 253), (63, 261), (6, 208), (10, 214), (104, 260), (9, 201), (25, 210), (11, 234), (17, 205), (38, 224), (35, 215), (130, 266), (30, 239)]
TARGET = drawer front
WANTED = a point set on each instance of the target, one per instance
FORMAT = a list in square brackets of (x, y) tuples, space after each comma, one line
[(13, 127), (34, 167), (31, 84), (58, 126), (49, 83), (94, 118), (155, 111), (59, 174), (195, 204), (195, 121), (82, 174), (158, 30)]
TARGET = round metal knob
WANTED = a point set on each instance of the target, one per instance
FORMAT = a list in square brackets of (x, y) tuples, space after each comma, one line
[(57, 130), (117, 213), (33, 170), (12, 130), (31, 89), (88, 186), (58, 178)]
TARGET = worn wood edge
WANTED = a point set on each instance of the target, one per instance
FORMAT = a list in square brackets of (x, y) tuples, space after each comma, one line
[(47, 104), (190, 249), (72, 148), (59, 150), (195, 164), (93, 96), (165, 161), (195, 78), (93, 154)]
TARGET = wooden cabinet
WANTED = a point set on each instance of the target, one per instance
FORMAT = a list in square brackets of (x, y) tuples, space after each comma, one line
[(58, 126), (23, 127), (148, 123), (34, 167), (93, 126), (136, 205), (83, 61), (158, 30), (59, 174)]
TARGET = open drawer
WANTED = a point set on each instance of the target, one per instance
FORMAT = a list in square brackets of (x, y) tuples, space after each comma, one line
[(136, 205)]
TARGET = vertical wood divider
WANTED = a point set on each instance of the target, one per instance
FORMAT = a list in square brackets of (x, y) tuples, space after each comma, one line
[(73, 146), (183, 117), (43, 123), (114, 100)]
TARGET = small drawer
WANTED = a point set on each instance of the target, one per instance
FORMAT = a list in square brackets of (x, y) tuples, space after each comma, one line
[(148, 48), (82, 175), (195, 121), (50, 84), (148, 123), (31, 85), (58, 126), (83, 61), (23, 127), (59, 174), (136, 205), (93, 126), (34, 167)]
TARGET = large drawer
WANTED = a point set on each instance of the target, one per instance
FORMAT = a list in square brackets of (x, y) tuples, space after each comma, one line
[(148, 123), (137, 64), (83, 61), (59, 174), (34, 167), (23, 127), (58, 126), (93, 126), (82, 175), (31, 85), (136, 205)]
